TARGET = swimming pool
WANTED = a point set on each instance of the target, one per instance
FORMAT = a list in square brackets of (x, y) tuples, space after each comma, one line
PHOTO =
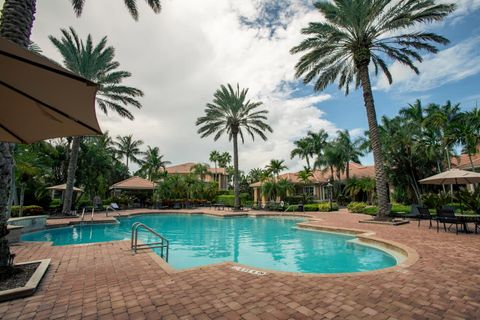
[(263, 242)]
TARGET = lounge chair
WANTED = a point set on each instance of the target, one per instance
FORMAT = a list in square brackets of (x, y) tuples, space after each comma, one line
[(447, 216), (420, 213), (112, 207)]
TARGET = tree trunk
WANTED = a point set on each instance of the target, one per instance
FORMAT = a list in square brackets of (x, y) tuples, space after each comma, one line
[(15, 25), (471, 162), (380, 175), (72, 167), (235, 173), (22, 197), (308, 162), (347, 170)]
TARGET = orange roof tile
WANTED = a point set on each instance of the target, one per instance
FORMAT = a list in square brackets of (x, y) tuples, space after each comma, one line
[(187, 167)]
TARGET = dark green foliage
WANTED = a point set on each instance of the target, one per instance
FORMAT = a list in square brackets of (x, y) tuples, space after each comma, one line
[(27, 211), (470, 200), (229, 200)]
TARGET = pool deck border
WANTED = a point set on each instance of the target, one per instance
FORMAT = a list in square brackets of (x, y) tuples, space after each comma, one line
[(364, 237)]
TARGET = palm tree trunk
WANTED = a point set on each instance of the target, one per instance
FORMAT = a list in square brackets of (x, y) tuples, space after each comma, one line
[(235, 173), (127, 164), (471, 162), (347, 170), (380, 175), (15, 25), (308, 162), (22, 197), (72, 168)]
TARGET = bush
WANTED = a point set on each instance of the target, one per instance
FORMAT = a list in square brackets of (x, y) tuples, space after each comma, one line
[(325, 207), (229, 200), (310, 207), (356, 207), (27, 211), (55, 203)]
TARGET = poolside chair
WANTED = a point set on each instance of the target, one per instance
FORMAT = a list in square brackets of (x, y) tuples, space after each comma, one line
[(446, 216), (420, 213)]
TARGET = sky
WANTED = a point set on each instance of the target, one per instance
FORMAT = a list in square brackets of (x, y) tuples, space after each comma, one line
[(182, 55)]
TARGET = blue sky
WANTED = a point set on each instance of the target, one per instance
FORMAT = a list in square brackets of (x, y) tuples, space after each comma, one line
[(181, 56)]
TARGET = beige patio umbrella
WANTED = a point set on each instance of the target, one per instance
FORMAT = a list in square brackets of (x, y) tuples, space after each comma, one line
[(453, 176), (41, 100), (63, 187)]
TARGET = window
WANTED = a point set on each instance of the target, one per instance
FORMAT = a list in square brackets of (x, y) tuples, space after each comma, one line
[(310, 190)]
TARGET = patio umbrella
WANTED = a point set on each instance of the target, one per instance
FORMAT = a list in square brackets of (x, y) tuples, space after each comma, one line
[(41, 100), (453, 176)]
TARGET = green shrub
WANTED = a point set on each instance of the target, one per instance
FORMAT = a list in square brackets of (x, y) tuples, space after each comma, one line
[(229, 200), (356, 207), (27, 211), (310, 207), (370, 210), (55, 203), (325, 206)]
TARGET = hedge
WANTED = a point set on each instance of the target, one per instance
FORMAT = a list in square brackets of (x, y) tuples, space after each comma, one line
[(325, 207), (322, 207), (27, 211), (229, 200)]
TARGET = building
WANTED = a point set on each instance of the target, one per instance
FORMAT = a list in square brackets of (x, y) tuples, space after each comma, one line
[(218, 175), (317, 187)]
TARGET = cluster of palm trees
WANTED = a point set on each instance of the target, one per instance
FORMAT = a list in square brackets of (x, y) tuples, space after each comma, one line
[(424, 140), (333, 155)]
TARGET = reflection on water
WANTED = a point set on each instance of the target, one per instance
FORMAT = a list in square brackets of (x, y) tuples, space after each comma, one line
[(271, 243)]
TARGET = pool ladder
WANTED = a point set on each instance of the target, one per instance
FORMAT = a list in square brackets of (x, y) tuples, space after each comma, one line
[(163, 244), (83, 214)]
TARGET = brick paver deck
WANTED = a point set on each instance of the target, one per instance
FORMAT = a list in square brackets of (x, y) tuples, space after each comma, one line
[(105, 281)]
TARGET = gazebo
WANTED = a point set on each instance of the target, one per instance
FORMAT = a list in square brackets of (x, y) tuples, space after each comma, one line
[(133, 183), (62, 188)]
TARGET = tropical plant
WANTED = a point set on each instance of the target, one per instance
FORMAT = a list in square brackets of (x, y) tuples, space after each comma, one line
[(152, 164), (129, 148), (201, 170), (256, 175), (95, 63), (275, 167), (215, 158), (224, 160), (305, 175), (303, 149), (16, 24), (349, 150), (355, 34), (230, 113), (284, 188)]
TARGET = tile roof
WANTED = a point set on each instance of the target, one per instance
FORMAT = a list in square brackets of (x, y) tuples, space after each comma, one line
[(134, 183), (187, 167), (320, 176)]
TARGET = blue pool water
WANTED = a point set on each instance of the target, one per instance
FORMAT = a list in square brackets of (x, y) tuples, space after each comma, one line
[(271, 243)]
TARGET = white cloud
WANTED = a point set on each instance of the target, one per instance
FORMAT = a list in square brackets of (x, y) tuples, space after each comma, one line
[(449, 65), (181, 56)]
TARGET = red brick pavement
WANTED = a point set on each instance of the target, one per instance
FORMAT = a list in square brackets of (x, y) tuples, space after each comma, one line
[(105, 281)]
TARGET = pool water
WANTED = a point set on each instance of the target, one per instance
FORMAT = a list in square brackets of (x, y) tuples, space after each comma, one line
[(263, 242)]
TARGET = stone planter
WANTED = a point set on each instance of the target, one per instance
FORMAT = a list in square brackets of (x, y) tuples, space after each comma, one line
[(31, 223), (31, 284)]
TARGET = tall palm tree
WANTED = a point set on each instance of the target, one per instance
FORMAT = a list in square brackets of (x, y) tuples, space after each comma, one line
[(276, 166), (231, 113), (318, 141), (303, 149), (16, 25), (95, 63), (224, 160), (350, 150), (355, 34), (128, 148), (152, 163), (214, 157)]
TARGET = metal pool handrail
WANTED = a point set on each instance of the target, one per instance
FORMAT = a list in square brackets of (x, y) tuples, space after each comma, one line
[(163, 244)]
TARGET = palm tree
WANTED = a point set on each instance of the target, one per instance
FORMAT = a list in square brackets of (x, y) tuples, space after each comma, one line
[(128, 148), (284, 188), (224, 160), (16, 25), (318, 141), (275, 167), (303, 149), (215, 157), (230, 113), (256, 175), (201, 170), (356, 33), (152, 163), (305, 175), (350, 150), (95, 63)]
